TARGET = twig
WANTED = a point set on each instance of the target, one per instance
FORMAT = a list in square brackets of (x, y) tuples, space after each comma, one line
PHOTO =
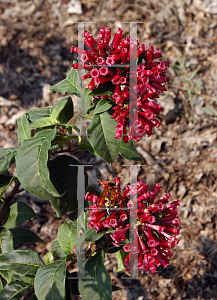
[(29, 293), (75, 117)]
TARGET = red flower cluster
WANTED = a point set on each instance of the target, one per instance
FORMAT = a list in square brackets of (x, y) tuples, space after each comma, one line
[(104, 64), (157, 224)]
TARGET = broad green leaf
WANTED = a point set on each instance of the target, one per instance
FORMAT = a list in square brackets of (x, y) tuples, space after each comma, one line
[(16, 212), (67, 237), (106, 88), (91, 235), (49, 258), (62, 111), (58, 107), (1, 285), (21, 262), (128, 151), (101, 133), (56, 249), (71, 285), (73, 217), (7, 275), (64, 178), (7, 158), (50, 281), (86, 146), (6, 241), (5, 178), (116, 288), (91, 189), (39, 113), (70, 85), (44, 122), (28, 279), (13, 290), (102, 106), (23, 235), (67, 111), (5, 187), (98, 288), (31, 162), (120, 256), (23, 129)]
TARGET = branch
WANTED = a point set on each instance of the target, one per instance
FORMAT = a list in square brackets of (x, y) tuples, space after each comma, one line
[(75, 117), (29, 293)]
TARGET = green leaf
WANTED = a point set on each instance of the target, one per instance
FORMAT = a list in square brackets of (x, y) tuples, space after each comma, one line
[(23, 235), (21, 262), (71, 285), (193, 74), (115, 288), (73, 217), (50, 281), (39, 113), (5, 178), (14, 289), (120, 256), (98, 288), (70, 85), (67, 111), (31, 162), (102, 106), (1, 285), (91, 189), (101, 133), (5, 187), (23, 128), (16, 212), (106, 88), (28, 279), (67, 237), (7, 275), (44, 122), (49, 258), (7, 158), (64, 178), (61, 112), (6, 242), (209, 110), (128, 151), (58, 107), (56, 249), (91, 235), (86, 146), (189, 91)]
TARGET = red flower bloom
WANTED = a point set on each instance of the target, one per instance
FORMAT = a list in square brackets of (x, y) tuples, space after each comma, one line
[(150, 77), (157, 224)]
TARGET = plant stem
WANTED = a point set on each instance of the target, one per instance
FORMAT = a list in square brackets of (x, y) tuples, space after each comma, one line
[(29, 293), (75, 117)]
